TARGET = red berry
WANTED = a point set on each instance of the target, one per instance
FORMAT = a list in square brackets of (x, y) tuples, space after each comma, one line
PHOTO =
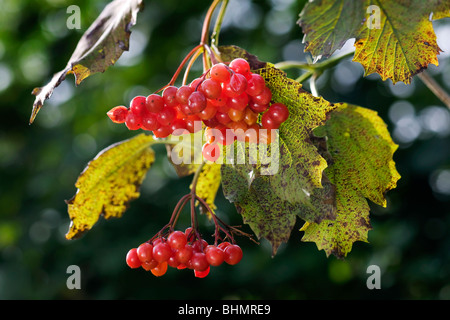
[(197, 102), (166, 116), (211, 88), (220, 72), (199, 262), (232, 254), (138, 106), (162, 252), (240, 65), (162, 132), (118, 114), (278, 112), (169, 95), (268, 122), (211, 152), (236, 86), (239, 102), (150, 265), (154, 103), (223, 118), (150, 122), (145, 252), (214, 255), (258, 108), (132, 121), (177, 240), (183, 255), (132, 259), (183, 94), (178, 127), (264, 97), (202, 274), (160, 269), (255, 85), (223, 245), (208, 112)]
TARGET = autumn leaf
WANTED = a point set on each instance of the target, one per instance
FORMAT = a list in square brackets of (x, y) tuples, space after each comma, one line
[(208, 184), (100, 47), (270, 203), (360, 151), (398, 45), (109, 182)]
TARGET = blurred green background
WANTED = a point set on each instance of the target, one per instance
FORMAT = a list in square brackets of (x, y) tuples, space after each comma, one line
[(39, 165)]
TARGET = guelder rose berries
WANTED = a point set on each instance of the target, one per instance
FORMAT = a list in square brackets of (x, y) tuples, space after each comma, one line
[(227, 98), (181, 250)]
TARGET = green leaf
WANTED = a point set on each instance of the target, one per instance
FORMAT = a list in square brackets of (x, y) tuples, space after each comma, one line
[(99, 47), (403, 44), (269, 201), (360, 151), (109, 182)]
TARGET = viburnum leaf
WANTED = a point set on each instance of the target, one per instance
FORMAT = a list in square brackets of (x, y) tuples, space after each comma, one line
[(293, 187), (399, 43), (208, 184), (100, 47), (360, 151), (109, 182)]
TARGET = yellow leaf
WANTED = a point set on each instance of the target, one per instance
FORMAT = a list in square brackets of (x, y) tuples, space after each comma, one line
[(109, 182), (361, 168), (208, 184)]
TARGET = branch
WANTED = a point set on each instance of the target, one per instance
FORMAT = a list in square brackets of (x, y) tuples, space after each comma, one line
[(435, 88)]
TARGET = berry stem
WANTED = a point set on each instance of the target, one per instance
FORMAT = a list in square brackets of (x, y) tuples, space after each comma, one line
[(180, 67), (218, 25)]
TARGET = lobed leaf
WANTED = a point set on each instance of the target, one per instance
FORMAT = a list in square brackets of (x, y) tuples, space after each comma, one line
[(360, 151), (402, 45), (109, 182), (100, 47)]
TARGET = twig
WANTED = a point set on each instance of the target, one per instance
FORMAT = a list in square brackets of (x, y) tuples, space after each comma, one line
[(435, 88)]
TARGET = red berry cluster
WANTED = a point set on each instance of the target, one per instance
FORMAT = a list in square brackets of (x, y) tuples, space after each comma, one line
[(182, 250), (226, 97)]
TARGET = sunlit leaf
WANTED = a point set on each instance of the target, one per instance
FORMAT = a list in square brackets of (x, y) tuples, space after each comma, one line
[(99, 47), (360, 152), (392, 38), (109, 182)]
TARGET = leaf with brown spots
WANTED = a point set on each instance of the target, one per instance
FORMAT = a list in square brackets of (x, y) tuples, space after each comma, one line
[(360, 152), (109, 182), (100, 47), (392, 38)]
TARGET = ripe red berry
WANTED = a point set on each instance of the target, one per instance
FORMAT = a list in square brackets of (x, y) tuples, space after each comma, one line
[(160, 269), (132, 121), (183, 94), (177, 240), (150, 122), (166, 116), (145, 252), (239, 102), (240, 65), (183, 255), (208, 112), (236, 86), (162, 132), (211, 152), (118, 114), (169, 95), (255, 85), (132, 259), (214, 255), (211, 88), (197, 102), (268, 122), (154, 103), (138, 106), (232, 254), (202, 274), (278, 112), (199, 262), (162, 252), (264, 97), (220, 72)]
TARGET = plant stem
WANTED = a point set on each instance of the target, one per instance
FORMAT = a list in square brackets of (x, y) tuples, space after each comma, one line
[(435, 88), (218, 25)]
